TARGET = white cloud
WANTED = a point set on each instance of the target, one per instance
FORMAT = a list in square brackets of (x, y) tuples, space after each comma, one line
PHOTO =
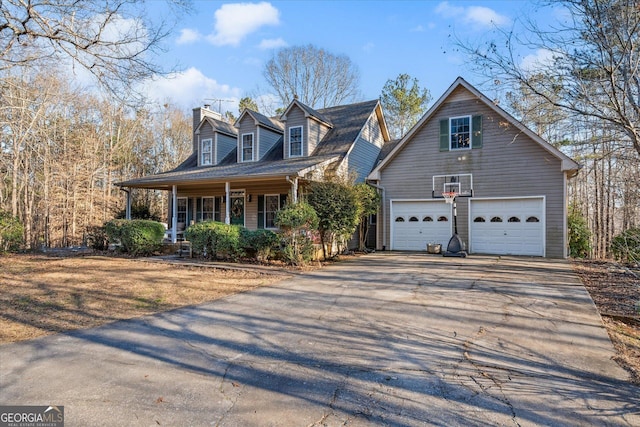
[(234, 21), (417, 29), (272, 43), (540, 59), (187, 36), (188, 89), (485, 16), (472, 15), (368, 47)]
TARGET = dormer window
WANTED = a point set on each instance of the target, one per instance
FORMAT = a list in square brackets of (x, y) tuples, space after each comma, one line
[(295, 141), (247, 147), (206, 152)]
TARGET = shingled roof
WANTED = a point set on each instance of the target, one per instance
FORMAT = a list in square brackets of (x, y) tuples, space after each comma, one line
[(348, 121)]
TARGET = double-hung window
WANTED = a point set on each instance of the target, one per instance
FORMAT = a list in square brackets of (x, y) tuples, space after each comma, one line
[(271, 207), (247, 147), (295, 141), (460, 132), (206, 152), (208, 208)]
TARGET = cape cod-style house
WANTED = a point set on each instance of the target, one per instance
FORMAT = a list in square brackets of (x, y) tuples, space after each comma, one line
[(511, 184), (243, 174)]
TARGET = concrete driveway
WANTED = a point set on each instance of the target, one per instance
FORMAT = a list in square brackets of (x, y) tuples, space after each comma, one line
[(386, 339)]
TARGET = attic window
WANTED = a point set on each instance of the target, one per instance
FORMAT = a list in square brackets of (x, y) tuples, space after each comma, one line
[(206, 151), (295, 141), (247, 147), (460, 132)]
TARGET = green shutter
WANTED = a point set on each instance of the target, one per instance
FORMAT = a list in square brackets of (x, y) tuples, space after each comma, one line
[(261, 211), (198, 209), (217, 203), (476, 132), (444, 135), (283, 200)]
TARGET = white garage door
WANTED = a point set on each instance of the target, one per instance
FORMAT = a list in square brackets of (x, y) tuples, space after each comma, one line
[(415, 224), (507, 226)]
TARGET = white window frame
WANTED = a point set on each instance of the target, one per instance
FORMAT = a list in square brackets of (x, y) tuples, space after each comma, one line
[(185, 212), (301, 140), (451, 133), (253, 146), (203, 152), (213, 209), (274, 212)]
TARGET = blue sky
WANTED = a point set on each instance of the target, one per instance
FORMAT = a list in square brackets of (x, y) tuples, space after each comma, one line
[(222, 47)]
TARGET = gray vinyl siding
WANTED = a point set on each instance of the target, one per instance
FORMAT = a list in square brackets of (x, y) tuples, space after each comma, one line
[(508, 165), (206, 132), (224, 145), (312, 131), (295, 118), (316, 131), (362, 157), (266, 140), (247, 125)]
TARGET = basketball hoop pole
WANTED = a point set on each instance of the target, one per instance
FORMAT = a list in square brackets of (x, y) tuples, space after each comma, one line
[(450, 197), (455, 248)]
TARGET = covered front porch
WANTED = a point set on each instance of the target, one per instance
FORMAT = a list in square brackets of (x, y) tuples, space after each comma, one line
[(246, 202)]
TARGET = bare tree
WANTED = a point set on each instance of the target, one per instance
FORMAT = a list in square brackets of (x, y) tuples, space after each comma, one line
[(108, 38), (317, 77), (590, 63)]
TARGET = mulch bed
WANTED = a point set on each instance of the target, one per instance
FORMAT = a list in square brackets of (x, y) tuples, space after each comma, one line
[(615, 289)]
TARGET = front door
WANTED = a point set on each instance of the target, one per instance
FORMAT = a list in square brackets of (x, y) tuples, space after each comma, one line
[(237, 209)]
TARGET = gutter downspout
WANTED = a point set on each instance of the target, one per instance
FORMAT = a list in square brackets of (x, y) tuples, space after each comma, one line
[(381, 221), (294, 187)]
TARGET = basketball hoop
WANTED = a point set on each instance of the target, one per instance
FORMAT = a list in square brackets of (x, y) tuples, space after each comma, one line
[(449, 196)]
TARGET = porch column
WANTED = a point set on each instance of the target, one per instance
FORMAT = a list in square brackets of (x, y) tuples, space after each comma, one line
[(128, 207), (294, 188), (174, 214), (227, 208)]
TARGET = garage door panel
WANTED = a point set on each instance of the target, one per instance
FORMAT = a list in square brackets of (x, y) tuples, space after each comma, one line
[(507, 226), (431, 224)]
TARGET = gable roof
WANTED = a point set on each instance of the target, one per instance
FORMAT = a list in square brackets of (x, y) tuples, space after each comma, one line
[(568, 164), (218, 126), (261, 120), (348, 122), (308, 112)]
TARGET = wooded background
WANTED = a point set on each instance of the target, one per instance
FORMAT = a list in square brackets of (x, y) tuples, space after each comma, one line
[(63, 146)]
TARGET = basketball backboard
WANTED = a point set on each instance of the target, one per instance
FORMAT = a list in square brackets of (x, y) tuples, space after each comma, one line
[(462, 184)]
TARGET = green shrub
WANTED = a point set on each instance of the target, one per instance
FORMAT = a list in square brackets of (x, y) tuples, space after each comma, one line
[(138, 211), (296, 222), (626, 246), (579, 234), (137, 236), (338, 210), (97, 238), (259, 243), (215, 239), (11, 232)]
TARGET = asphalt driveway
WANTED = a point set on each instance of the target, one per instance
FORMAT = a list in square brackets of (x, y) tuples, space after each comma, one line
[(385, 339)]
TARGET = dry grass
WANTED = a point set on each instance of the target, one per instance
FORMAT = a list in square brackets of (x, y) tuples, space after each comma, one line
[(616, 292), (42, 295)]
